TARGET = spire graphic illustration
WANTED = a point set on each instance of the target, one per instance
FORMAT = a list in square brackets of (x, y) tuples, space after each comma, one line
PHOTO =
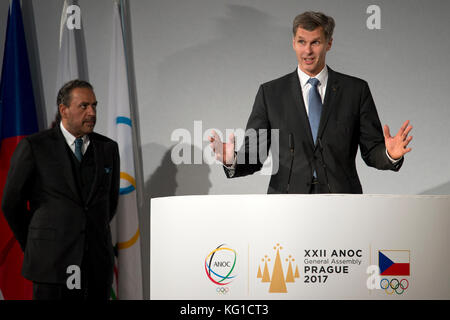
[(290, 273), (297, 274), (278, 285), (266, 276)]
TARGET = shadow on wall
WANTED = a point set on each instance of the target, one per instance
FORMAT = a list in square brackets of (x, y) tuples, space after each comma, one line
[(170, 179), (162, 183), (167, 179), (439, 190)]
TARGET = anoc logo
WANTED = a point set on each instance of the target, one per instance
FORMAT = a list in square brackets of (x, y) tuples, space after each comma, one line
[(219, 266)]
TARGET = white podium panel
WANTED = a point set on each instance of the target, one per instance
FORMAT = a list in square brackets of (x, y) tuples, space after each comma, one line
[(300, 247)]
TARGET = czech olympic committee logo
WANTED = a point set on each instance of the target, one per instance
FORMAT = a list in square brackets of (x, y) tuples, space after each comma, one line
[(392, 272), (394, 263), (219, 266)]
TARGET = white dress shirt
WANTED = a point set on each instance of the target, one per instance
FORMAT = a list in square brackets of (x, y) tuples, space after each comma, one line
[(70, 139)]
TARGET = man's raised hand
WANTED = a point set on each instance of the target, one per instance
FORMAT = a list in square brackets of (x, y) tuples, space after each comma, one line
[(224, 152), (397, 146)]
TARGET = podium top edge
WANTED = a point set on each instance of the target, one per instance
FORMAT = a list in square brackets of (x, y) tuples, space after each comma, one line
[(403, 196)]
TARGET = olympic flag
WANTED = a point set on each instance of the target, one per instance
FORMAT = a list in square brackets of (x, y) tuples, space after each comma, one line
[(125, 225)]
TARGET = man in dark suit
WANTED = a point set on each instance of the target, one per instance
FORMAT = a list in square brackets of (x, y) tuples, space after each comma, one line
[(60, 196), (322, 117)]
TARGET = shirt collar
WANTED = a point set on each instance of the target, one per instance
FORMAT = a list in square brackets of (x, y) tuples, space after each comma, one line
[(322, 76), (70, 138)]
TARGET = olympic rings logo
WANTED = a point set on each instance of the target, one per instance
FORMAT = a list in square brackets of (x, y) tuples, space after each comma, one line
[(394, 285), (222, 290)]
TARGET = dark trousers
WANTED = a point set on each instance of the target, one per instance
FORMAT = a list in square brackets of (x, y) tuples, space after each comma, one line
[(94, 286)]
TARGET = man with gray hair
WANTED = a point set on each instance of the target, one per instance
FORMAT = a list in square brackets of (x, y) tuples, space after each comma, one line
[(322, 117)]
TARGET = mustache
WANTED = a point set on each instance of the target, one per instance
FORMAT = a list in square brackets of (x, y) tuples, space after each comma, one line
[(90, 119)]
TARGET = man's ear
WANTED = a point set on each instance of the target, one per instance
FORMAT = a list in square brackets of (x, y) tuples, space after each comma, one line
[(62, 110), (329, 44)]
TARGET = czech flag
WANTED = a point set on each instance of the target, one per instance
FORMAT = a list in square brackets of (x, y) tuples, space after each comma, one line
[(394, 262), (17, 120)]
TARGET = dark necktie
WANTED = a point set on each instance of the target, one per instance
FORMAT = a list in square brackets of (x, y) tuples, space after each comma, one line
[(78, 144), (315, 107)]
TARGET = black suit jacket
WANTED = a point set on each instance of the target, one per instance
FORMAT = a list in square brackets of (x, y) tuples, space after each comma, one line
[(53, 231), (349, 119)]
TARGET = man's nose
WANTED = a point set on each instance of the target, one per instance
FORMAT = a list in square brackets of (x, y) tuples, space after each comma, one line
[(91, 110), (308, 48)]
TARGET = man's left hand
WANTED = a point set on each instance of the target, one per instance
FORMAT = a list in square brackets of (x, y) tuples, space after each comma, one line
[(396, 146)]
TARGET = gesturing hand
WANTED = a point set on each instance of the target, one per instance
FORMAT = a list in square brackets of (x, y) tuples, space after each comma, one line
[(396, 146), (224, 152)]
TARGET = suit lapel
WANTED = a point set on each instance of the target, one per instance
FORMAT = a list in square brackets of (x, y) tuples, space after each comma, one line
[(62, 155), (329, 103)]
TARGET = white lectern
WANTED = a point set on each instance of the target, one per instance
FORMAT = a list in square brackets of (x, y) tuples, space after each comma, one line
[(300, 247)]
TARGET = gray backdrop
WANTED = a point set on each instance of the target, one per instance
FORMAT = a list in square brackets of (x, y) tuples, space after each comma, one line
[(203, 60)]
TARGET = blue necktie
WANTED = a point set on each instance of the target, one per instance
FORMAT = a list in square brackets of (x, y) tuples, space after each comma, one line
[(78, 144), (315, 107)]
